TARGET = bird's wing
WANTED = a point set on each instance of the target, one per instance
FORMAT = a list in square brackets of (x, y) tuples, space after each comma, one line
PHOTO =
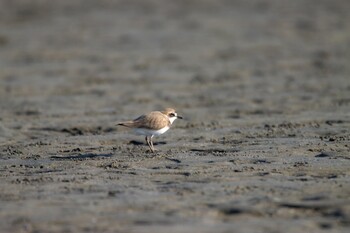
[(154, 120)]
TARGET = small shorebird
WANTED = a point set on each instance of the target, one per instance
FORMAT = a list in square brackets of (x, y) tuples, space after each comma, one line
[(152, 124)]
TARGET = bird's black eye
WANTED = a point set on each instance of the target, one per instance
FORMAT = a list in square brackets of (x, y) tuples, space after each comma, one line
[(171, 114)]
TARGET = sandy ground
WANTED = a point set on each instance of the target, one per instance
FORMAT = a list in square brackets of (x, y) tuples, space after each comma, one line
[(263, 86)]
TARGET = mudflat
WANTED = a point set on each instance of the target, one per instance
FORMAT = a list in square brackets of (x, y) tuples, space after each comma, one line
[(263, 86)]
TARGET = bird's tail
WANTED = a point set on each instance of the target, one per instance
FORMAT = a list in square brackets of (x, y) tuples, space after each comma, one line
[(126, 123)]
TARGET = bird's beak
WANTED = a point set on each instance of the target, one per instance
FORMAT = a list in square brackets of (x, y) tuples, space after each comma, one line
[(180, 117)]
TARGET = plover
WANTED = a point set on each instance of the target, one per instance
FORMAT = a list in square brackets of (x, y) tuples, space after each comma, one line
[(152, 124)]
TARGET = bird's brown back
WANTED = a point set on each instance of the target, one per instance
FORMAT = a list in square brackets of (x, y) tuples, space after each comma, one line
[(154, 120)]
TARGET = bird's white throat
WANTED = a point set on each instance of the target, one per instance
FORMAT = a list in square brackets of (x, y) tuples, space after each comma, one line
[(172, 119)]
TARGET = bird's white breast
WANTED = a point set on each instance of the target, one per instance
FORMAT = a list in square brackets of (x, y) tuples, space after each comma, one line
[(149, 132)]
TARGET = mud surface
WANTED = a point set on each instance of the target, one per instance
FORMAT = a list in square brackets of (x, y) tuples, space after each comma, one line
[(263, 86)]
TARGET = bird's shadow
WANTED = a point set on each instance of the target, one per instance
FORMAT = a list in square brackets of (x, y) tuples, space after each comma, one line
[(81, 156), (136, 143)]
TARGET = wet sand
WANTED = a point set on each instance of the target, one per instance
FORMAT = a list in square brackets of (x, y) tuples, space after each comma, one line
[(263, 86)]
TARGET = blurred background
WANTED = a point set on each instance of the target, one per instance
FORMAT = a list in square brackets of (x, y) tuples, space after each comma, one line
[(126, 57)]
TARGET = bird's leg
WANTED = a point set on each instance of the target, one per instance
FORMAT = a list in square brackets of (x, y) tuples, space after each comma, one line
[(149, 143), (152, 144), (146, 138)]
